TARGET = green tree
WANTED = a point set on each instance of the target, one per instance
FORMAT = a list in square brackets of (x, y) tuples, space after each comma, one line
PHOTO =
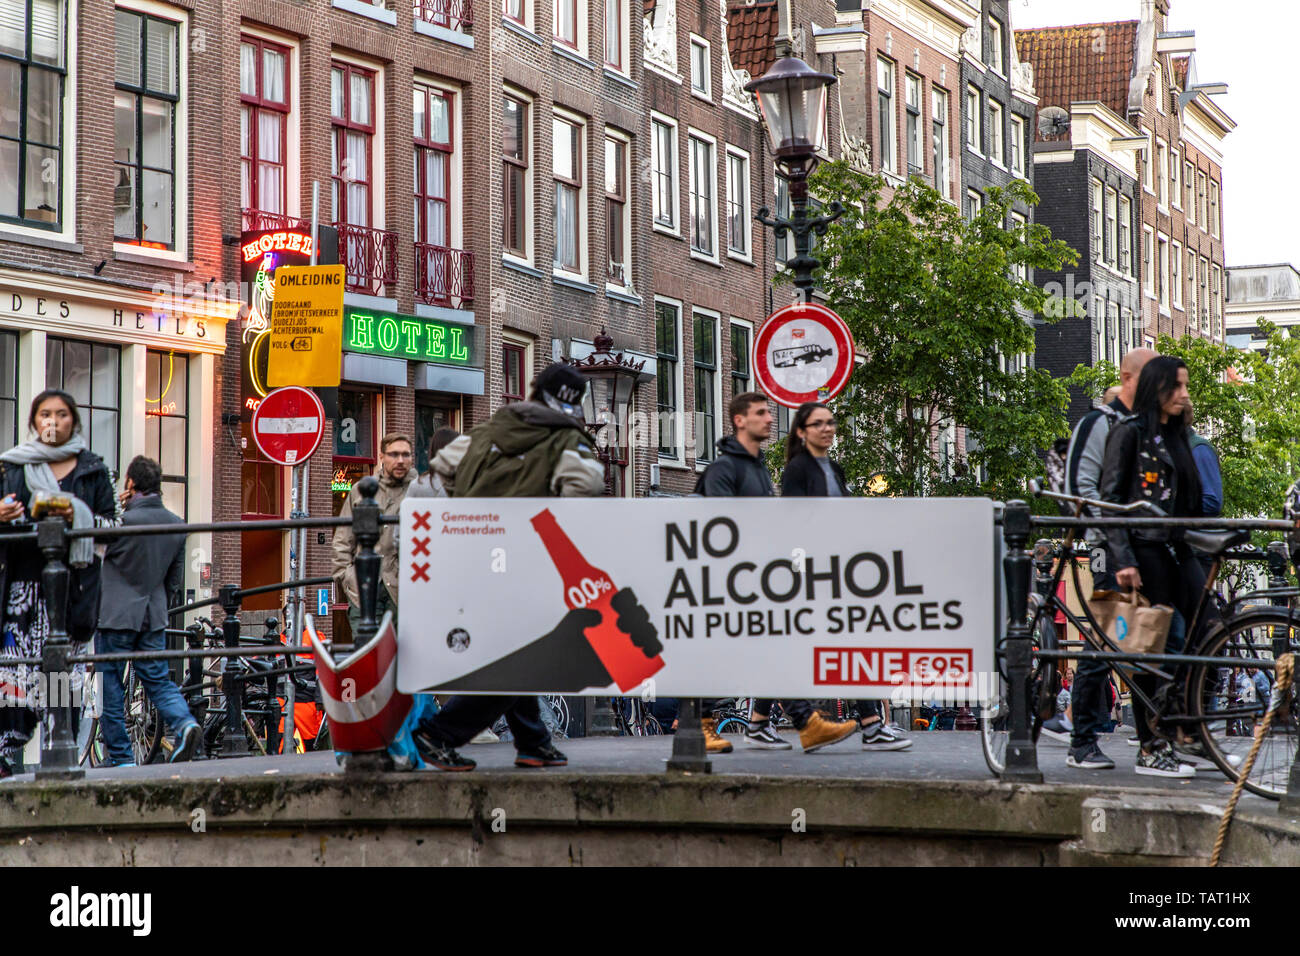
[(934, 301)]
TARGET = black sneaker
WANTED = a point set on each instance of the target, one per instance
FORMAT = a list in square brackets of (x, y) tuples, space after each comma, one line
[(759, 733), (543, 756), (1161, 762), (187, 741), (440, 755), (1089, 757)]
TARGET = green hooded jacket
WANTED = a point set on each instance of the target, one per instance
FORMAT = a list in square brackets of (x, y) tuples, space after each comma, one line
[(526, 450)]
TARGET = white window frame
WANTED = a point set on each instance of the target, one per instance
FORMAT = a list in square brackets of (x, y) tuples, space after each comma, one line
[(580, 41), (1149, 164), (629, 207), (1175, 178), (699, 43), (1097, 220), (997, 137), (530, 174), (1162, 273), (997, 46), (584, 147), (1160, 88), (939, 98), (1125, 236), (68, 151), (680, 458), (1203, 199), (1214, 207), (976, 197), (891, 69), (625, 29), (743, 156), (180, 134), (1099, 326), (455, 161), (1193, 292), (1205, 295), (378, 145), (721, 427), (1149, 262), (748, 326), (1176, 273), (1112, 228), (974, 121), (1162, 175), (1189, 183), (1018, 146), (1021, 268), (916, 137), (673, 172), (293, 130), (528, 344), (1216, 301), (712, 143)]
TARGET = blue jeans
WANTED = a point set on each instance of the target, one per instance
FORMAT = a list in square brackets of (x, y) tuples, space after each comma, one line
[(157, 684)]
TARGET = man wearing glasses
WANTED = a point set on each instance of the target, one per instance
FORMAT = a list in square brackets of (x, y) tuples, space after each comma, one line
[(395, 461)]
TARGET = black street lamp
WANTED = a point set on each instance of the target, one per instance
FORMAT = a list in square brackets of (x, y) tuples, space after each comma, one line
[(792, 99), (607, 405)]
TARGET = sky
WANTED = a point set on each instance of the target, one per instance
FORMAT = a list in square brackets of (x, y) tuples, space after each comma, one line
[(1246, 45)]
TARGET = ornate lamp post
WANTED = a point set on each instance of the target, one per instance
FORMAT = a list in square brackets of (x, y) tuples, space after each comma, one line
[(607, 406), (792, 99)]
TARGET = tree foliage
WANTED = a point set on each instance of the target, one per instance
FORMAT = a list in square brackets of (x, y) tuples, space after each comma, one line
[(934, 301)]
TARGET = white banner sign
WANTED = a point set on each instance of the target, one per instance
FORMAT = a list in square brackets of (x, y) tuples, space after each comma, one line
[(695, 597)]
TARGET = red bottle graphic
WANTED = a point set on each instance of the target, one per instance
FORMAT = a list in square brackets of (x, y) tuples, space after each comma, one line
[(590, 587)]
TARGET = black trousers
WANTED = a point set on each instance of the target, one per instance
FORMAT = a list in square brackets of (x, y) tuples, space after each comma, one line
[(464, 715), (1088, 692), (797, 710)]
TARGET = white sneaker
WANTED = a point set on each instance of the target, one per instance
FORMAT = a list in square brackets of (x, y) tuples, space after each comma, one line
[(485, 737), (1162, 763)]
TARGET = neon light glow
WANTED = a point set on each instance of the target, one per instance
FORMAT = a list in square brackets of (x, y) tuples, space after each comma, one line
[(407, 337), (286, 241)]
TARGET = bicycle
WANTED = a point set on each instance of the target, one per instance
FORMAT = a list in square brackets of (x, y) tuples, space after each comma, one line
[(1191, 697), (634, 719), (144, 727)]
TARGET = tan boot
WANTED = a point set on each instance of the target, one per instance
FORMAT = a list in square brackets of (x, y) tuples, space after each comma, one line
[(820, 732), (713, 742)]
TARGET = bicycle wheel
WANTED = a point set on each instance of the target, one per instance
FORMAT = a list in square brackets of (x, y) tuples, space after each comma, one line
[(1228, 706), (732, 725), (143, 722), (95, 753), (1044, 683)]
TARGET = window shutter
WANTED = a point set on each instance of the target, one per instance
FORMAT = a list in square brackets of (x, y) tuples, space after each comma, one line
[(47, 31)]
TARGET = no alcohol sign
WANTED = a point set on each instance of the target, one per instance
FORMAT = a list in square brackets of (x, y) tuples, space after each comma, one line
[(803, 353)]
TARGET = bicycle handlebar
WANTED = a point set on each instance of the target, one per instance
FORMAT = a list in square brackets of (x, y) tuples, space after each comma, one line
[(1038, 491)]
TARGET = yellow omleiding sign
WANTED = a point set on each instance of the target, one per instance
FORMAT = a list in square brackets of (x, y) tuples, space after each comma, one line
[(306, 337)]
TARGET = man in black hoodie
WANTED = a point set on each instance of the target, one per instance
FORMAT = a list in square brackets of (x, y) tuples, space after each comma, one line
[(739, 471)]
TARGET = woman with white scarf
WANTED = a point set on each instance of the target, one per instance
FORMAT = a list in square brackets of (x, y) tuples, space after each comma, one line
[(54, 460)]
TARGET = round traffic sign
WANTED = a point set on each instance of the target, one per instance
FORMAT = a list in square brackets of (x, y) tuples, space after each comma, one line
[(288, 425), (803, 353)]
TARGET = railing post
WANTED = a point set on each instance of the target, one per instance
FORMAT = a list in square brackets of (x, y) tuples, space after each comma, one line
[(368, 563), (689, 754), (59, 758), (235, 743), (1289, 805), (1022, 755)]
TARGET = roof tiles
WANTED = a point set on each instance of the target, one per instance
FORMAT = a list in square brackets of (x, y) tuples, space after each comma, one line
[(1090, 61), (751, 37)]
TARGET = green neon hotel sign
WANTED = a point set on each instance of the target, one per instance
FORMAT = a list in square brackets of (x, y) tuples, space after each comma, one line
[(406, 337)]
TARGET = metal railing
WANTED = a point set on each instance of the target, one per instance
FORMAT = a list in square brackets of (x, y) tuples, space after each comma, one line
[(370, 256), (1021, 765), (452, 14), (443, 276), (257, 220)]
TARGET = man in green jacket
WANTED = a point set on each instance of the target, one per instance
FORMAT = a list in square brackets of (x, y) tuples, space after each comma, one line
[(532, 449)]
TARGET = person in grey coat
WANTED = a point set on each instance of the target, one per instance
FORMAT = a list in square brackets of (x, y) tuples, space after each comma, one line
[(139, 572)]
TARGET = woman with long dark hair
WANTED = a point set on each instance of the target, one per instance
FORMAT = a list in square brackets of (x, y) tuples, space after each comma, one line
[(56, 468), (810, 473), (1148, 458)]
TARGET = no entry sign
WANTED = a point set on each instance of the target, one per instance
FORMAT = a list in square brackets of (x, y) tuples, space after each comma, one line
[(803, 353), (288, 425)]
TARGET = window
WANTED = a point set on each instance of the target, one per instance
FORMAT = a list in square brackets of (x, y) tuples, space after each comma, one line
[(566, 22), (1160, 88), (1202, 206), (32, 78), (1096, 220), (263, 122), (352, 116), (513, 10), (706, 385), (885, 107), (566, 166), (9, 387), (1099, 326), (1148, 270), (432, 113), (703, 216), (614, 34), (738, 222), (939, 135), (1018, 223), (1018, 145), (1214, 209), (1216, 304), (166, 424), (1112, 244), (974, 202), (90, 372), (663, 180), (1175, 186), (995, 46), (973, 118), (1204, 294), (1162, 278), (1175, 274), (742, 379), (1112, 333), (783, 246), (915, 127), (668, 356), (514, 375), (514, 159), (1162, 174), (995, 132), (355, 444), (1125, 242), (1128, 331), (1149, 165), (701, 80), (1193, 313), (616, 218), (144, 122), (1189, 183)]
